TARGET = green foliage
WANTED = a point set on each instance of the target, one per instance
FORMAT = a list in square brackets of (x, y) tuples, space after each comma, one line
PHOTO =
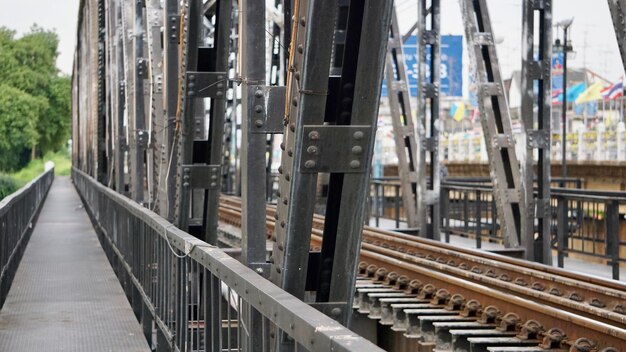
[(62, 167), (34, 99), (7, 185)]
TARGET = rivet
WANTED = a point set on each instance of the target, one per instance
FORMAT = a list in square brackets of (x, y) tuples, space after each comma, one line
[(335, 311), (309, 164), (259, 270), (297, 75), (302, 21), (280, 169), (294, 102), (290, 152), (258, 123), (213, 184), (314, 135), (280, 246), (186, 184), (285, 200), (282, 145), (357, 150), (300, 49), (358, 135), (292, 127), (258, 94), (287, 177), (355, 164), (219, 94)]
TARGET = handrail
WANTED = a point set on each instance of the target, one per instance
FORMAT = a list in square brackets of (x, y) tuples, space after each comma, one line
[(18, 212), (128, 227)]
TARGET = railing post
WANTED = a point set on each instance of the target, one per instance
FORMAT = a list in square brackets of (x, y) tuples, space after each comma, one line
[(478, 207), (396, 201), (466, 211), (562, 225), (612, 235), (445, 212)]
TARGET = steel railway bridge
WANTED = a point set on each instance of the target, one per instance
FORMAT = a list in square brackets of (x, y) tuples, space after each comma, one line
[(174, 235)]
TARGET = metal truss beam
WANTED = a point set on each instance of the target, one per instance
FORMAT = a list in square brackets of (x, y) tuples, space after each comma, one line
[(428, 179), (329, 127), (402, 122), (618, 14), (536, 70), (495, 120)]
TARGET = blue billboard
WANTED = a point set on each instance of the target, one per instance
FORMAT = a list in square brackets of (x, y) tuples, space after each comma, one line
[(451, 65)]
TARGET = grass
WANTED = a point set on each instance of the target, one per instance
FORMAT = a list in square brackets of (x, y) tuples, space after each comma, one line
[(62, 167)]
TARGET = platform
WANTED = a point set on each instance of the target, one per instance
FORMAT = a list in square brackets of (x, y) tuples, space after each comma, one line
[(65, 296)]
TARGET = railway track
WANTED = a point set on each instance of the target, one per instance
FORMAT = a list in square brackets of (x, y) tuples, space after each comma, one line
[(443, 298)]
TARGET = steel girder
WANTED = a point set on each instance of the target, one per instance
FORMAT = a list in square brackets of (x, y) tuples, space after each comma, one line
[(495, 120), (329, 127), (618, 14), (428, 180), (536, 69), (402, 122)]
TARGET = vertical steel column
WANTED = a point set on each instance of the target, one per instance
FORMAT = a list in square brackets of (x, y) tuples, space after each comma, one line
[(215, 143), (115, 84), (137, 69), (495, 120), (310, 54), (618, 14), (253, 162), (428, 181), (101, 127), (342, 147), (165, 198), (402, 122), (154, 15), (252, 64), (536, 69)]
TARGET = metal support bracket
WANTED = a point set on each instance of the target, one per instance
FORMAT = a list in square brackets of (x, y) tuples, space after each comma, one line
[(538, 139), (269, 108), (502, 141), (201, 176), (207, 84), (339, 149), (483, 39)]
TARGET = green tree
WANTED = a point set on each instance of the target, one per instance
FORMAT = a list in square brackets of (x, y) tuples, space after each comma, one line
[(35, 99)]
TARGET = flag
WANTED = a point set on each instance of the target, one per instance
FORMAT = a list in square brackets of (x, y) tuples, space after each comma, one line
[(591, 94), (614, 91), (572, 93), (457, 111)]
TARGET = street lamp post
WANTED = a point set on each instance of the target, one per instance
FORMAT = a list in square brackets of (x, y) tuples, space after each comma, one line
[(566, 47)]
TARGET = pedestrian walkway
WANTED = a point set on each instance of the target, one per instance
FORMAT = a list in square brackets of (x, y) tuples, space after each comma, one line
[(65, 296)]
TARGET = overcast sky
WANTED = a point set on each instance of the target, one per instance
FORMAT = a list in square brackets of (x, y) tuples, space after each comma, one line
[(592, 32)]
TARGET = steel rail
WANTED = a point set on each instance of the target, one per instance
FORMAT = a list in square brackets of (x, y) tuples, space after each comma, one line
[(555, 294)]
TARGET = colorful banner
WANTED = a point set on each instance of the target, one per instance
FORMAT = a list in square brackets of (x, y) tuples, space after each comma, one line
[(451, 65)]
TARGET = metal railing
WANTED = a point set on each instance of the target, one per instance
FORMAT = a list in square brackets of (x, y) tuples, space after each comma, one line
[(195, 295), (585, 222), (18, 213)]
